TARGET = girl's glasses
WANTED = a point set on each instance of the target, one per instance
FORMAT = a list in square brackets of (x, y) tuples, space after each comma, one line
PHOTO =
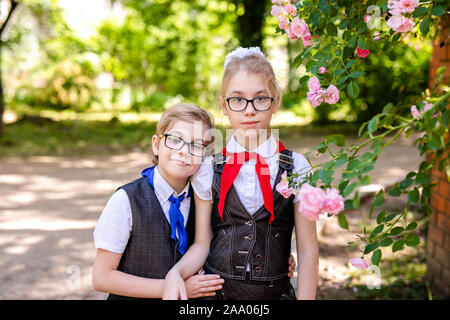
[(239, 104), (176, 143)]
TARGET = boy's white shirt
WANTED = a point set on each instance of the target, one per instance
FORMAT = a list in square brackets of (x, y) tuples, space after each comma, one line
[(114, 225), (246, 182)]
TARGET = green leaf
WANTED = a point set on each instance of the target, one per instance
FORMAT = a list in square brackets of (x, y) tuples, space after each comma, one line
[(331, 29), (341, 80), (396, 231), (414, 195), (376, 231), (398, 245), (395, 192), (373, 123), (349, 189), (437, 11), (356, 74), (376, 257), (379, 199), (353, 90), (362, 44), (380, 216), (386, 242), (422, 178), (419, 12), (425, 26), (411, 226), (412, 240), (349, 64), (406, 183), (370, 247), (337, 139), (298, 61), (340, 160), (355, 201), (342, 221), (389, 217)]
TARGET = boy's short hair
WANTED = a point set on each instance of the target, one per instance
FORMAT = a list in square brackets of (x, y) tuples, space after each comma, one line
[(183, 112)]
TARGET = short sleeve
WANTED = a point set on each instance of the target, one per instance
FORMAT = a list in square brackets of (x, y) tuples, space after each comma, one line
[(301, 167), (202, 180), (114, 225)]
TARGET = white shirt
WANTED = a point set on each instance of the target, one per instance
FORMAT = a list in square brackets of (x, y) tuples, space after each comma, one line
[(114, 225), (246, 182)]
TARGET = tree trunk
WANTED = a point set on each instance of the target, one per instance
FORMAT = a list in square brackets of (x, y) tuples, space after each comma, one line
[(13, 6), (249, 25)]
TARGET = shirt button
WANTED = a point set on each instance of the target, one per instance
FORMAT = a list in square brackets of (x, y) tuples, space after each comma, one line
[(249, 223), (258, 269), (249, 237), (258, 256)]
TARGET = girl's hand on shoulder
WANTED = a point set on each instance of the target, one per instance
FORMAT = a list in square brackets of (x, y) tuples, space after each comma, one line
[(292, 266), (201, 285), (174, 287)]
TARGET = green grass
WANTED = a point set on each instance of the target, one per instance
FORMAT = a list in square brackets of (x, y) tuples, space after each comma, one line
[(85, 137)]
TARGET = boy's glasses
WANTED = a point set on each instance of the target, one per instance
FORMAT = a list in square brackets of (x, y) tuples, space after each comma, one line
[(239, 104), (176, 143)]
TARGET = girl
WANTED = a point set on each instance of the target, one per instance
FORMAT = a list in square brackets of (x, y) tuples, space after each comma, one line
[(243, 227), (148, 224)]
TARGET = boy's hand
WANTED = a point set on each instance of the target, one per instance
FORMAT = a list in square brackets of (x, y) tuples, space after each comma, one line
[(201, 285), (174, 287), (291, 266)]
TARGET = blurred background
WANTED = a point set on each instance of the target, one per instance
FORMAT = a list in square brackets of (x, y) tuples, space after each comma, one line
[(83, 84)]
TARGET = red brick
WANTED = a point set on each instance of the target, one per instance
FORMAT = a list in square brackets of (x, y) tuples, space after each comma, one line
[(442, 256), (444, 189), (447, 242), (443, 222), (436, 235), (433, 268), (430, 247), (437, 202)]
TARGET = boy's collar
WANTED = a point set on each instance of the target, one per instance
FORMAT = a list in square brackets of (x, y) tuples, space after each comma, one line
[(163, 188)]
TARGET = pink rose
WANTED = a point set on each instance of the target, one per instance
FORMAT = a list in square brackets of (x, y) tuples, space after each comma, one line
[(313, 84), (362, 53), (359, 263), (283, 186), (334, 202), (400, 23), (427, 106), (376, 36), (307, 41), (415, 113), (394, 7), (283, 23), (322, 70), (276, 11), (366, 18), (408, 6), (311, 201), (290, 9), (332, 94), (315, 98), (299, 28)]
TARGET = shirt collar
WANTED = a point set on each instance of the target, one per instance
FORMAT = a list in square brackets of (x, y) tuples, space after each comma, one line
[(266, 149), (163, 188)]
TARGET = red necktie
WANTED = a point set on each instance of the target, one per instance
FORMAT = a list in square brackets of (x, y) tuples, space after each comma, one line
[(231, 170)]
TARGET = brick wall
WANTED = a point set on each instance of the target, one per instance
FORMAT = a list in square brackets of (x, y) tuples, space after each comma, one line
[(438, 239)]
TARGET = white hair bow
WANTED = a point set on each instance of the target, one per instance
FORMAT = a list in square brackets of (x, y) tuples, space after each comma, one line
[(241, 53)]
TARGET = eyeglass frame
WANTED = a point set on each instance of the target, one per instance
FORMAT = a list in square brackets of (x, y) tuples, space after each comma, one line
[(165, 135), (249, 100)]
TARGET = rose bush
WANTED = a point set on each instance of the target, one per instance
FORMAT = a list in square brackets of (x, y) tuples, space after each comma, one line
[(337, 36)]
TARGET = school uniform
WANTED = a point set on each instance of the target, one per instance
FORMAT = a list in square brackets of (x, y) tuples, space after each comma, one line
[(136, 223), (251, 244)]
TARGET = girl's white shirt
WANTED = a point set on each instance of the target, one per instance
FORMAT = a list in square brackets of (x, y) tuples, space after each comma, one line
[(247, 183), (114, 225)]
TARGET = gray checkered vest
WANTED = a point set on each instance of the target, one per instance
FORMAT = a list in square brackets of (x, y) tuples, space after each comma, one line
[(242, 238), (150, 252)]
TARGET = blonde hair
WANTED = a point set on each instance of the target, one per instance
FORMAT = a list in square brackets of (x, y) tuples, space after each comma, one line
[(256, 64), (183, 112)]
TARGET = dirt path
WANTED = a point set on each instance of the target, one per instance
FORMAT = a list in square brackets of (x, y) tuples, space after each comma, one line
[(49, 207)]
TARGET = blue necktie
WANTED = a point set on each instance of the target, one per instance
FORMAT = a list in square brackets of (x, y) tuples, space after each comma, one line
[(177, 223), (175, 216)]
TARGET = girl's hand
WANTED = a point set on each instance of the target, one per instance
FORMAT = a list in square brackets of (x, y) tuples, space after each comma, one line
[(201, 285), (174, 287), (292, 265)]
